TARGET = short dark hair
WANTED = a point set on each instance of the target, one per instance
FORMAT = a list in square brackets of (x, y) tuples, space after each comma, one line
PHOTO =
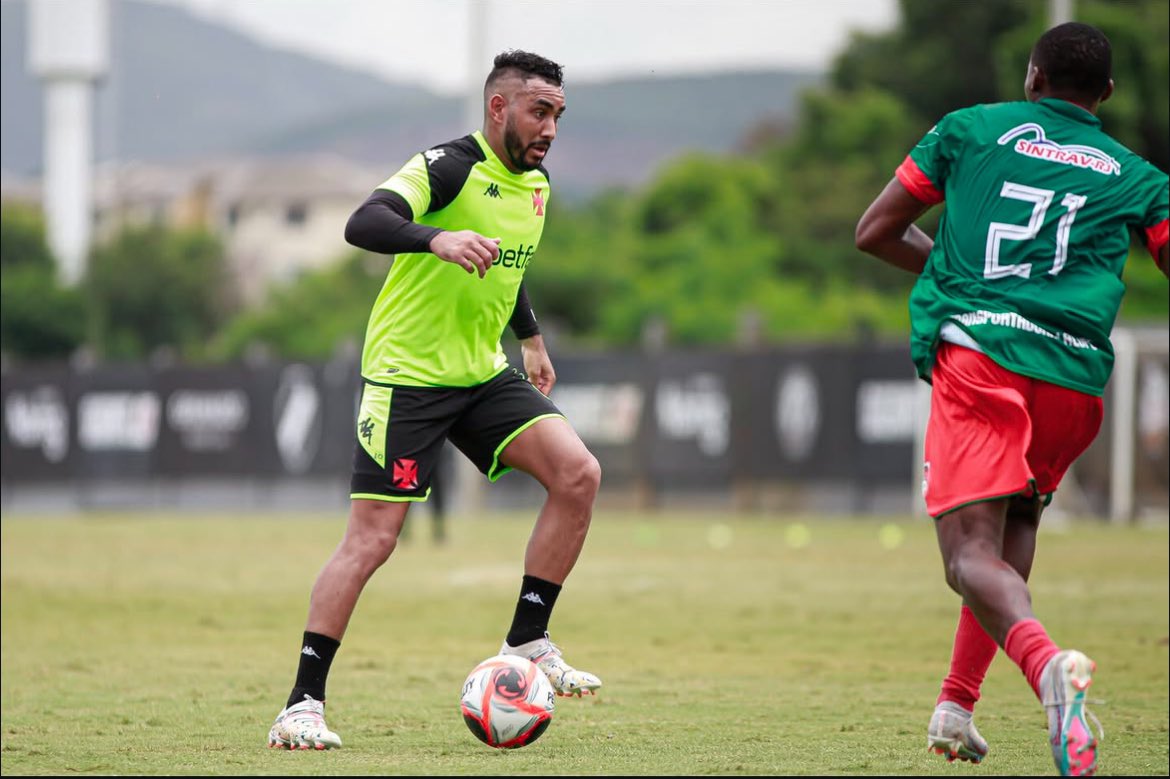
[(1076, 58), (527, 64)]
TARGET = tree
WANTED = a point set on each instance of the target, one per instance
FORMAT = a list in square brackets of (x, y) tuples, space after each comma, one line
[(308, 318), (845, 150), (944, 56), (767, 234), (581, 268), (940, 57), (40, 319), (153, 287)]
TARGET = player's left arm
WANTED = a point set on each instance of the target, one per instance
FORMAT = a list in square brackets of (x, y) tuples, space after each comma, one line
[(887, 230), (537, 364)]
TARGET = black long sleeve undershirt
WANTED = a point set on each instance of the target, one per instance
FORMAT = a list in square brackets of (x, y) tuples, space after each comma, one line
[(385, 224), (523, 321)]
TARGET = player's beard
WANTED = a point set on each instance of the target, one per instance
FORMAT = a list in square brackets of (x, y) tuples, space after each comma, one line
[(516, 149)]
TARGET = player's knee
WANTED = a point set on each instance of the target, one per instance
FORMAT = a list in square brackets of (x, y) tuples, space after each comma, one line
[(373, 532), (954, 572), (372, 546), (967, 563), (580, 478)]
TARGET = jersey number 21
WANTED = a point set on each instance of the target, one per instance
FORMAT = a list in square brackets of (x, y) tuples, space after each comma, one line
[(998, 232)]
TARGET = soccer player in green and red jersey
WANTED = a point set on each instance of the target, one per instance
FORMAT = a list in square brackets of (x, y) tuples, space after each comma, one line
[(463, 220), (1011, 319)]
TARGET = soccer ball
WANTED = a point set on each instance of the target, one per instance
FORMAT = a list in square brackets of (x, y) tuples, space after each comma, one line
[(507, 702)]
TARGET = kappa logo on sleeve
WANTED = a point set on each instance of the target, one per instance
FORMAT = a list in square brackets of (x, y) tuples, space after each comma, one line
[(433, 155), (538, 201)]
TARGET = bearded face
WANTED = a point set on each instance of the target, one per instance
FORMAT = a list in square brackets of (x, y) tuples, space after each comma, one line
[(525, 151)]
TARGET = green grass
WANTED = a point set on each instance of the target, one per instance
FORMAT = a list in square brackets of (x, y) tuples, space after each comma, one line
[(164, 644)]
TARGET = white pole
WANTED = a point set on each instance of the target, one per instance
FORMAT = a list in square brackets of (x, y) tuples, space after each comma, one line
[(68, 168), (68, 49), (1121, 444), (921, 417), (1059, 12), (477, 20)]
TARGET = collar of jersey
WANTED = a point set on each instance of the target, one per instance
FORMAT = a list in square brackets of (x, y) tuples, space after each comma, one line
[(1071, 110), (491, 158)]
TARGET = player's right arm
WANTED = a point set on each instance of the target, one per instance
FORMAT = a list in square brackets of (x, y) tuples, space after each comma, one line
[(466, 248), (887, 229), (385, 224)]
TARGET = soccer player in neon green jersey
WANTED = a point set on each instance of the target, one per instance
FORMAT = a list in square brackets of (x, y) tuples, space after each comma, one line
[(1011, 319), (463, 220)]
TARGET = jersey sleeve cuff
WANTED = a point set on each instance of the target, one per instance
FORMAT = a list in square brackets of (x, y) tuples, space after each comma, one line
[(917, 183), (1157, 236)]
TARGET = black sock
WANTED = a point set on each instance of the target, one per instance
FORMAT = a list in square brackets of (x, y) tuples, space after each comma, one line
[(533, 610), (317, 653)]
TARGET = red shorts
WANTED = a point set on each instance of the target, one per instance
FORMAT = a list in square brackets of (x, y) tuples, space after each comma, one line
[(995, 434)]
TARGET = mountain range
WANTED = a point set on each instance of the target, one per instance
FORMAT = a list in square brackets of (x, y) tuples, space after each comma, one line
[(183, 89)]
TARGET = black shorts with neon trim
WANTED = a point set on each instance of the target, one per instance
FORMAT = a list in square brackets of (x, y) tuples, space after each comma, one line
[(401, 431)]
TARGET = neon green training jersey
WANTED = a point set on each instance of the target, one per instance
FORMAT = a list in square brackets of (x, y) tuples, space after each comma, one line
[(434, 324), (1027, 262)]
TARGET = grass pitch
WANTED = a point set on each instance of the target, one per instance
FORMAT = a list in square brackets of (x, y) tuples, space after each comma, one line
[(164, 644)]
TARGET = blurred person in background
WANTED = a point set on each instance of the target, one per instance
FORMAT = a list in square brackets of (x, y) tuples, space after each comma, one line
[(463, 220), (1011, 318)]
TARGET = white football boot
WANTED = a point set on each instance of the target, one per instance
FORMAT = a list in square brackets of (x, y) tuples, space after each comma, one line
[(302, 726), (566, 679), (1063, 687), (952, 734)]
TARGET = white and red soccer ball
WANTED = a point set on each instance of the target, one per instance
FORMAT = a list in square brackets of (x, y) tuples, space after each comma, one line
[(507, 702)]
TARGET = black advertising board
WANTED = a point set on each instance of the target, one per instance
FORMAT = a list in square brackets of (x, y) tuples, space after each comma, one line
[(37, 424), (118, 413), (797, 415), (606, 399), (689, 442)]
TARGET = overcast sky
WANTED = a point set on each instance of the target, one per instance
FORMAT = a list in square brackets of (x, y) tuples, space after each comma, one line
[(428, 42)]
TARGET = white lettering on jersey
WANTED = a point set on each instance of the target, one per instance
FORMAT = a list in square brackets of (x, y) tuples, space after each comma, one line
[(1041, 148)]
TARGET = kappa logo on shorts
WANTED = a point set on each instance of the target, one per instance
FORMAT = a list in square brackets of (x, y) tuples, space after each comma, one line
[(405, 476)]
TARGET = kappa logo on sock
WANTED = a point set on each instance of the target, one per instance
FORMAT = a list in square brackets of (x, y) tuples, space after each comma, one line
[(308, 650), (532, 597)]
